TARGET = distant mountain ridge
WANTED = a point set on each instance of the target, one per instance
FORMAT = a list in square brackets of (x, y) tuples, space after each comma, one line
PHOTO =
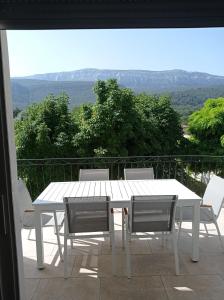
[(188, 90), (139, 80)]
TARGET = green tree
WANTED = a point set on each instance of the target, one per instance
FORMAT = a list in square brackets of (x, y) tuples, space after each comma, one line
[(207, 127), (46, 129), (107, 128), (160, 125), (121, 123)]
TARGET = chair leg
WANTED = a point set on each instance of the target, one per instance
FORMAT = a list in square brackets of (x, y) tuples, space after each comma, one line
[(127, 250), (30, 231), (65, 257), (179, 230), (180, 223), (72, 243), (175, 249), (112, 241), (219, 234), (206, 229), (58, 237), (163, 239)]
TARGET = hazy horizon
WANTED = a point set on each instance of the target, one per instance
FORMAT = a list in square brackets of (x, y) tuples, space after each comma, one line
[(52, 51), (107, 69)]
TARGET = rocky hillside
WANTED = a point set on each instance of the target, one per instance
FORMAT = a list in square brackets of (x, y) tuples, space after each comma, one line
[(188, 90), (150, 81)]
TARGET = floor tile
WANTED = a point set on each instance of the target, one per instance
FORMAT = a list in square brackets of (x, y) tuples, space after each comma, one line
[(67, 289), (153, 269), (208, 264), (53, 267), (30, 287), (100, 266), (137, 246), (134, 288), (153, 264), (194, 287)]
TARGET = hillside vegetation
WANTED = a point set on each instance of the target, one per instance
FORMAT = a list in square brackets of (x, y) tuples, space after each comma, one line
[(140, 80), (187, 90), (118, 124)]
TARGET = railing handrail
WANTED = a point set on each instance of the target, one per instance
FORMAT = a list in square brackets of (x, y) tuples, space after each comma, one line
[(121, 157), (192, 170)]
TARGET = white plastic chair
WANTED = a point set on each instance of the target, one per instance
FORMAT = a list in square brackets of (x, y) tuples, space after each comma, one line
[(93, 174), (210, 208), (151, 214), (138, 173), (27, 213), (86, 215)]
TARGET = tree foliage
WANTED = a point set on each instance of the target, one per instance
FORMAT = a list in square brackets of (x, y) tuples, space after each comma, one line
[(108, 127), (207, 127), (160, 125), (45, 129), (120, 123)]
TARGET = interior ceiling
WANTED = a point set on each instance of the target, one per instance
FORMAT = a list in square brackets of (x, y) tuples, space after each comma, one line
[(46, 14)]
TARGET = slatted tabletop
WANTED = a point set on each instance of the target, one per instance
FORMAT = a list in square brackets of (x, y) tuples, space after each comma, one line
[(118, 190)]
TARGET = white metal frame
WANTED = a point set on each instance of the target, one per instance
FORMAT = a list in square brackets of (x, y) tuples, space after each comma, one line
[(28, 208), (135, 172), (52, 199), (72, 237), (216, 225), (213, 187), (129, 235), (214, 221)]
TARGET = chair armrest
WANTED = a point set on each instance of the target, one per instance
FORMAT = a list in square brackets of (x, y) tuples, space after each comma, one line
[(125, 211), (206, 205), (29, 210)]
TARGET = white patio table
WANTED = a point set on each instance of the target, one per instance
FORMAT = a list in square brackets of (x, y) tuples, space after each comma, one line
[(120, 192)]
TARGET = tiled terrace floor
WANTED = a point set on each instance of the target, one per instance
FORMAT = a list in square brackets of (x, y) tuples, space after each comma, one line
[(153, 275)]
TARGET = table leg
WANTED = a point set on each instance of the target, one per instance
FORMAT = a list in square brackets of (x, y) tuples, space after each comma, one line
[(195, 231), (39, 238), (122, 216)]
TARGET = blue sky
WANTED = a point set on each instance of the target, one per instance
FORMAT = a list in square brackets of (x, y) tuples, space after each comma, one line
[(34, 52)]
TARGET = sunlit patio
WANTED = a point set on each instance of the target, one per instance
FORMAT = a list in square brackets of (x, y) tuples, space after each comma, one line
[(153, 273)]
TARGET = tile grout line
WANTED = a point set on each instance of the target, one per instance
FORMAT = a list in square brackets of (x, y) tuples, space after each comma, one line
[(99, 288), (38, 284), (73, 266), (150, 249), (164, 286)]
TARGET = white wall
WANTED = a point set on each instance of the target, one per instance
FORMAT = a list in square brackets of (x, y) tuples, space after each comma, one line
[(13, 163)]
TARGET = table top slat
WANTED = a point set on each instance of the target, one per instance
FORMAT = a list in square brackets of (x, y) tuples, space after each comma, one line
[(118, 190)]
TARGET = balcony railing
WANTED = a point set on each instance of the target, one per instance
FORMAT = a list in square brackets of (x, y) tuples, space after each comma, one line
[(192, 170)]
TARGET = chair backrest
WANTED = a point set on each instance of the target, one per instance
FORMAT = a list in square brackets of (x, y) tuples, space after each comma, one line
[(214, 194), (138, 173), (152, 213), (87, 214), (93, 174), (23, 198)]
